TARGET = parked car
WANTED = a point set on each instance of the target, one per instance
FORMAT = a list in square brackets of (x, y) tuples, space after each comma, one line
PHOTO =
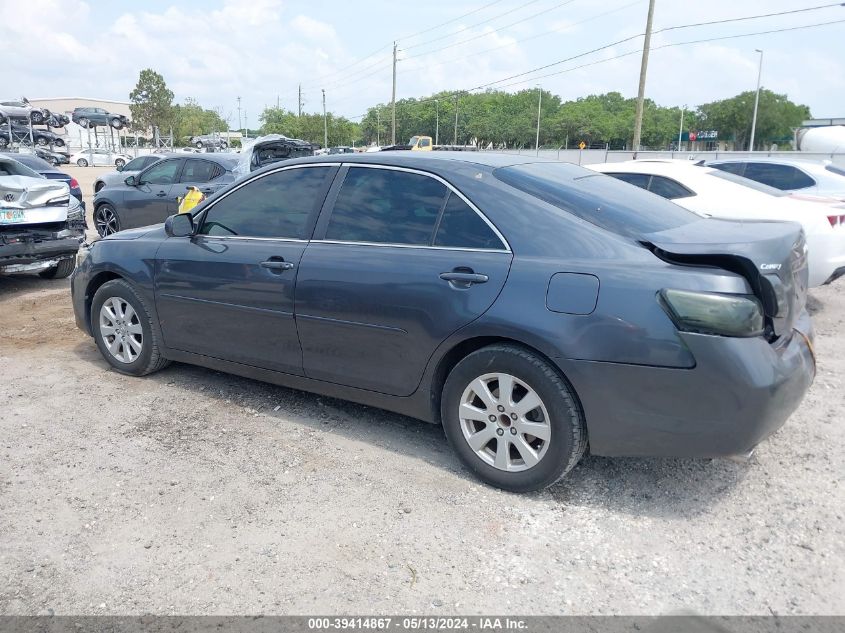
[(57, 120), (45, 169), (721, 194), (133, 166), (89, 117), (797, 176), (209, 140), (41, 224), (21, 109), (341, 150), (54, 158), (149, 196), (531, 307), (21, 134), (272, 148), (99, 157)]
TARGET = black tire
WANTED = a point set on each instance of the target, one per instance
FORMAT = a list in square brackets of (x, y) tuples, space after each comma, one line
[(4, 141), (116, 123), (59, 142), (106, 220), (224, 145), (36, 117), (567, 429), (63, 270), (83, 122), (43, 141), (198, 145), (119, 163), (149, 359), (82, 162)]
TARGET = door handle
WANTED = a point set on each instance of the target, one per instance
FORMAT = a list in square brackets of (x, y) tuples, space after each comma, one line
[(277, 264), (464, 278), (161, 194)]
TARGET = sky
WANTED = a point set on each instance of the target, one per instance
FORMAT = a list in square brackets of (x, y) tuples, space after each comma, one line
[(262, 50)]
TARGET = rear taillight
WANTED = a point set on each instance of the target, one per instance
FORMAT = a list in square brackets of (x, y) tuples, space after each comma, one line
[(74, 183), (836, 220), (713, 313)]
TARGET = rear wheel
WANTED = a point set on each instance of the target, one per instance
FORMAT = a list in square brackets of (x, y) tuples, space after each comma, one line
[(43, 141), (64, 269), (83, 122), (119, 163), (3, 141), (36, 116), (106, 220), (512, 418), (198, 144), (123, 329), (82, 162), (116, 123)]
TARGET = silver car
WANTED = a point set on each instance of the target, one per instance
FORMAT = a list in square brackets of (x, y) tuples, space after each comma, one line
[(22, 109)]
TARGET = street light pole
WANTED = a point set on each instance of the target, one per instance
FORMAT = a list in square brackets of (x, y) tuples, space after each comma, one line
[(681, 129), (756, 101), (325, 124), (436, 122), (539, 103), (456, 120), (378, 127)]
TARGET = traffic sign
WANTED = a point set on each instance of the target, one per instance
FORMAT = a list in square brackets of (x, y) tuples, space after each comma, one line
[(582, 145)]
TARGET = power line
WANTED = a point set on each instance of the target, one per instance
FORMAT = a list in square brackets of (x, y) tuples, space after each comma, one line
[(472, 26), (488, 33), (751, 17), (460, 17)]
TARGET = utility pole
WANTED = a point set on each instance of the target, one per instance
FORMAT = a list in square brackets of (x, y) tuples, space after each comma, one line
[(756, 101), (638, 121), (437, 122), (239, 114), (393, 98), (456, 119), (539, 103), (325, 123), (299, 101), (378, 127), (681, 129)]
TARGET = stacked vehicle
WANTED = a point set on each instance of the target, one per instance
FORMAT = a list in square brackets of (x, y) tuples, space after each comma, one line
[(18, 119)]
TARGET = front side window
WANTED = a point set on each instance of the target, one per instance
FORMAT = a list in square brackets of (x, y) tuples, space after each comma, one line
[(278, 205), (783, 177), (386, 206), (425, 142), (163, 173)]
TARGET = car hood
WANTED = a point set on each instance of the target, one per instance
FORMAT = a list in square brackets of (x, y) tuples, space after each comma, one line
[(116, 177), (23, 200), (134, 234)]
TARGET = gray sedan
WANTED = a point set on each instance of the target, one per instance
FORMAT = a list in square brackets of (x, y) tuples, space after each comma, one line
[(532, 308), (150, 195)]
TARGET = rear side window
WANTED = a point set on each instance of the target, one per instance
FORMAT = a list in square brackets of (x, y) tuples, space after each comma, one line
[(278, 205), (462, 227), (200, 171), (668, 188), (733, 168), (596, 198), (386, 206), (784, 177), (638, 180)]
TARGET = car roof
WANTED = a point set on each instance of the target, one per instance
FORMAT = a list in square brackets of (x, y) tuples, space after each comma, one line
[(35, 162), (226, 159), (434, 161), (796, 162)]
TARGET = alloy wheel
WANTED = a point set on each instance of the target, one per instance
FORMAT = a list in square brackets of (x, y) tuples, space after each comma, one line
[(505, 422), (105, 221), (120, 330)]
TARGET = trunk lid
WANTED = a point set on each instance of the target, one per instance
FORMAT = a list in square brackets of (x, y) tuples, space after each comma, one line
[(772, 256), (23, 200)]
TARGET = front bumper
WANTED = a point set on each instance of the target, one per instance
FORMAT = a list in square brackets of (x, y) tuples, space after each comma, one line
[(740, 392)]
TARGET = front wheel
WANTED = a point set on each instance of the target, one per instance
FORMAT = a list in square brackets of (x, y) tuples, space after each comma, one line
[(119, 163), (123, 329), (116, 123), (61, 271), (106, 220), (36, 117), (42, 141), (198, 145), (83, 122), (82, 162), (512, 418)]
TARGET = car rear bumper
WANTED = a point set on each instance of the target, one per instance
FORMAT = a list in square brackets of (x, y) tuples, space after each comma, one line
[(17, 254), (740, 392)]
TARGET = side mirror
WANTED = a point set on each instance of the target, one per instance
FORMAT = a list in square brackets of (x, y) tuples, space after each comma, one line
[(179, 225), (131, 181)]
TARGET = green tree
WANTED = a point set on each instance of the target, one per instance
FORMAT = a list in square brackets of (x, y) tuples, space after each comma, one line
[(776, 116), (191, 119), (152, 102), (309, 127)]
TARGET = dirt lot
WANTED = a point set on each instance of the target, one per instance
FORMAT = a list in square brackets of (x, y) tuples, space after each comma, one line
[(195, 492)]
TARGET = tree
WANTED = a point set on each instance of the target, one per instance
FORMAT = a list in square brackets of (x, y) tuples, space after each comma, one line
[(191, 119), (309, 127), (776, 116), (152, 102)]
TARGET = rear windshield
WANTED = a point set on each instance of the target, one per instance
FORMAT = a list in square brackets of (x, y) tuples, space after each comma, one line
[(602, 200), (11, 167), (747, 182)]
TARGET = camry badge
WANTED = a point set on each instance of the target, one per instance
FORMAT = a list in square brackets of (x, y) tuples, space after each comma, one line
[(770, 266)]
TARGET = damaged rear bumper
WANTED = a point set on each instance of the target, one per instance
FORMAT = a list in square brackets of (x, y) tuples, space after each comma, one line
[(23, 254)]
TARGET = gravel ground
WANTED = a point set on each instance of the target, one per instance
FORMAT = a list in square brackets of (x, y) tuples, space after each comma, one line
[(194, 492)]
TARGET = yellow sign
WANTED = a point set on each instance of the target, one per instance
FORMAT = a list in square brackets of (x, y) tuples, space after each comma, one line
[(582, 145)]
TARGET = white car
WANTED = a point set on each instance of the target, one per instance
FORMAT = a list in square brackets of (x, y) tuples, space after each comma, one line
[(99, 157), (796, 176), (720, 194)]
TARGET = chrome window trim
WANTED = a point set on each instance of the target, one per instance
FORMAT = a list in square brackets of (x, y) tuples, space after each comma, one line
[(423, 246), (448, 185), (247, 237)]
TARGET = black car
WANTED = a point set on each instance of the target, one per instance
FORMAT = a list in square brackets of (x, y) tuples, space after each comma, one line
[(149, 196), (89, 117), (21, 134), (47, 170), (531, 307), (54, 158)]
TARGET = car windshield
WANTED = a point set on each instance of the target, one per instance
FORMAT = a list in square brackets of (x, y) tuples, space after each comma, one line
[(136, 164), (602, 200), (747, 182)]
